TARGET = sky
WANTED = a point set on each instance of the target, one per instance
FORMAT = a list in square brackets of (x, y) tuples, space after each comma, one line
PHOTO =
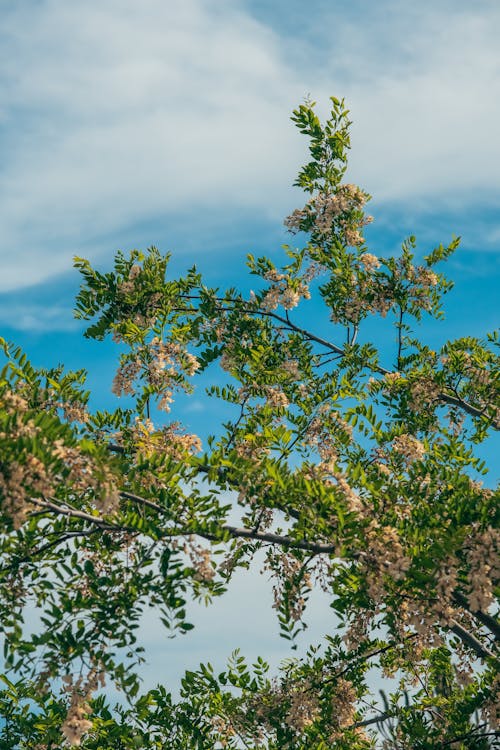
[(126, 124)]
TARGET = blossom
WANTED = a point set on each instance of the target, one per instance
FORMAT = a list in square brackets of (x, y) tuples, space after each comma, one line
[(13, 402), (482, 551), (76, 723), (426, 277), (290, 298), (304, 708), (134, 272), (126, 287), (343, 709), (201, 560), (423, 392), (274, 275), (353, 237), (321, 212), (123, 382), (369, 261), (165, 401), (275, 397), (409, 447), (75, 411)]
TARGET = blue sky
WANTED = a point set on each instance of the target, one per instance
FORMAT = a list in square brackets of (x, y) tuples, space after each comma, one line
[(127, 124)]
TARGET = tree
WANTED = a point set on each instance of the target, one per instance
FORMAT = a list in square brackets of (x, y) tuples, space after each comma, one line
[(355, 468)]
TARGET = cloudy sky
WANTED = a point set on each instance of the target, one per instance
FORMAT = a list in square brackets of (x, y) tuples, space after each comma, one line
[(126, 124)]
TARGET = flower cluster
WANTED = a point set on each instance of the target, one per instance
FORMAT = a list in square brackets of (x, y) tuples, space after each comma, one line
[(304, 707), (85, 475), (424, 619), (358, 629), (483, 556), (359, 292), (369, 262), (283, 291), (19, 482), (408, 447), (343, 708), (13, 402), (165, 355), (300, 704), (425, 277), (201, 560), (274, 396), (424, 391), (76, 723), (224, 729), (123, 382), (326, 210), (74, 411), (384, 555), (252, 446), (30, 479), (170, 440), (128, 286), (230, 561), (289, 586), (162, 363), (349, 495), (133, 290), (328, 432), (292, 369)]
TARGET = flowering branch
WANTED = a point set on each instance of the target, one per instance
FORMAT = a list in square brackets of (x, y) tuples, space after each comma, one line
[(242, 533)]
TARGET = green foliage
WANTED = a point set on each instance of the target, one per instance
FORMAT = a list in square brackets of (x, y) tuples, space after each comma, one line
[(352, 467)]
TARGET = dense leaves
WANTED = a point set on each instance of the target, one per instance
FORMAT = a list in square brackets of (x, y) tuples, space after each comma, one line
[(354, 467)]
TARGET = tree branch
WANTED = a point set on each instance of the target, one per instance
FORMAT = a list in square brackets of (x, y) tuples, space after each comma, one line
[(473, 411), (283, 541), (484, 618), (239, 532), (471, 641), (74, 513), (374, 720), (49, 545)]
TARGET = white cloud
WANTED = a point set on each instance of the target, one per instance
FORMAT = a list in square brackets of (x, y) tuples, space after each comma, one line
[(119, 113), (125, 112), (39, 317), (427, 118)]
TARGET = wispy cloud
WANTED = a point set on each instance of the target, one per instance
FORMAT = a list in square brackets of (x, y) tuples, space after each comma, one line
[(117, 113), (426, 117), (38, 318)]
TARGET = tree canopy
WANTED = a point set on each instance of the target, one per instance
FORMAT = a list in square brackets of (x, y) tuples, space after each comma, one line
[(354, 464)]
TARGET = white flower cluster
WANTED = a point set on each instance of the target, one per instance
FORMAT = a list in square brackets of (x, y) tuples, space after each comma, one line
[(283, 291), (369, 262), (170, 440), (424, 392), (201, 560), (482, 550), (161, 361), (409, 447), (384, 556), (289, 572), (327, 432), (76, 724), (325, 209), (304, 707)]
